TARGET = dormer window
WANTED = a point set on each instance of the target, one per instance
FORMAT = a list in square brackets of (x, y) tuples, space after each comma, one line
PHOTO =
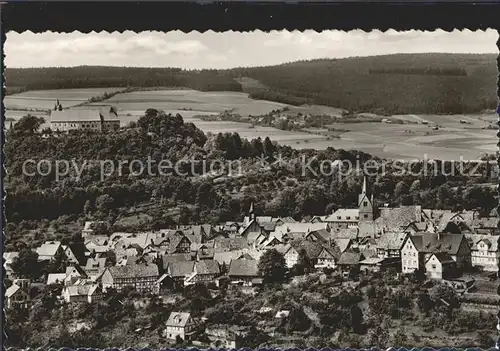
[(348, 217), (339, 217)]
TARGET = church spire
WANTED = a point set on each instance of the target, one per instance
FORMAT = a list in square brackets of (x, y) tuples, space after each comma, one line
[(364, 185), (251, 208)]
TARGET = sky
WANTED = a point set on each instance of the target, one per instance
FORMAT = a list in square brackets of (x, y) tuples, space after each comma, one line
[(196, 50)]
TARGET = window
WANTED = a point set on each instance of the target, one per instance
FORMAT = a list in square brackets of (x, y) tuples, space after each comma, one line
[(365, 203), (348, 217), (365, 216), (433, 266), (338, 217)]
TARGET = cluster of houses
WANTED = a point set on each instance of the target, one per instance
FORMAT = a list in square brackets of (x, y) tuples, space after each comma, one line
[(441, 244)]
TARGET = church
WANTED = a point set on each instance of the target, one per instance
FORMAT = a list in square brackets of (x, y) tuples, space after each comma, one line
[(361, 218)]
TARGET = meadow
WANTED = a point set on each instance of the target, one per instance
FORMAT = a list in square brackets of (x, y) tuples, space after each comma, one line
[(46, 99), (450, 141)]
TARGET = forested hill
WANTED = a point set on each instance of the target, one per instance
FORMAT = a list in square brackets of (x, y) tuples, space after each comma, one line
[(402, 83), (103, 76), (388, 84)]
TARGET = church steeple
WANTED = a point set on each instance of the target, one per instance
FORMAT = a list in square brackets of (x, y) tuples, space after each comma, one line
[(251, 214), (365, 204)]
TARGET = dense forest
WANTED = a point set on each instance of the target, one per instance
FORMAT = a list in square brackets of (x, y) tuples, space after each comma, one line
[(286, 188), (100, 76), (388, 84)]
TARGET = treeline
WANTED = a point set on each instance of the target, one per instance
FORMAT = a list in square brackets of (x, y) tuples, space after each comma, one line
[(283, 98), (421, 71), (99, 77)]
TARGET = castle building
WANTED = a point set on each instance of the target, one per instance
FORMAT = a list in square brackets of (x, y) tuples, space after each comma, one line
[(100, 118)]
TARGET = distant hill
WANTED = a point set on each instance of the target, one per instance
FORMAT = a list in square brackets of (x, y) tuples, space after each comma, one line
[(388, 84)]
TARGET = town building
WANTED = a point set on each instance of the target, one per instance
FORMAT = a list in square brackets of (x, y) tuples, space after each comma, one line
[(389, 244), (182, 325), (484, 251), (8, 259), (90, 119), (417, 250), (441, 266), (48, 250), (17, 296), (244, 271), (81, 293), (142, 278)]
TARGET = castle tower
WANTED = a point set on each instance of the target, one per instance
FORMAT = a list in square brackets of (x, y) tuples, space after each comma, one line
[(365, 204)]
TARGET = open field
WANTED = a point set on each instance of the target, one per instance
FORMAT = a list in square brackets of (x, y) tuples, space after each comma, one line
[(388, 140), (45, 99)]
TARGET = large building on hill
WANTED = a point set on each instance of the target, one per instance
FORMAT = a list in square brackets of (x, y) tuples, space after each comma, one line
[(92, 119)]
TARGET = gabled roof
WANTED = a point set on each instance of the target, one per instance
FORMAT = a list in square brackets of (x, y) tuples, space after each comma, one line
[(350, 258), (84, 115), (139, 259), (134, 271), (177, 257), (180, 268), (49, 248), (320, 234), (178, 319), (442, 257), (230, 244), (228, 256), (286, 220), (243, 267), (300, 227), (399, 217), (343, 243), (346, 233), (391, 240), (490, 240), (313, 249), (446, 218), (372, 261), (54, 278), (9, 256), (433, 243), (77, 268), (345, 214), (268, 226), (207, 267), (81, 290), (11, 290), (486, 222), (96, 263)]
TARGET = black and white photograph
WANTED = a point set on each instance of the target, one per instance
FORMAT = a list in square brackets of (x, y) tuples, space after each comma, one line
[(280, 189)]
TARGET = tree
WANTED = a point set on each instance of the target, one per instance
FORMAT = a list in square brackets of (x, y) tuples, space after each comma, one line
[(103, 203), (87, 208), (272, 266), (379, 336), (304, 263), (400, 338), (59, 263), (484, 339), (298, 320), (27, 125), (26, 264)]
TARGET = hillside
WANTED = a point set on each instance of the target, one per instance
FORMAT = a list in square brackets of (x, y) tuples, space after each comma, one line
[(403, 83), (389, 84)]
